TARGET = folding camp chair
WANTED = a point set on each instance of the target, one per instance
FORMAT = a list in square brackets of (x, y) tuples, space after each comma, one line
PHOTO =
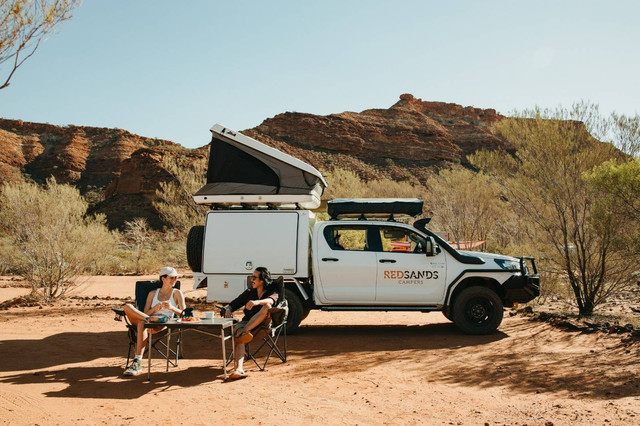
[(143, 288), (267, 335)]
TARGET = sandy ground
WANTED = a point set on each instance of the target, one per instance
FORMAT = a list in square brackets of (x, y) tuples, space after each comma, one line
[(63, 364)]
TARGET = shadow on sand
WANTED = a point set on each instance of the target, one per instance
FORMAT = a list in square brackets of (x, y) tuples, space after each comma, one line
[(435, 352)]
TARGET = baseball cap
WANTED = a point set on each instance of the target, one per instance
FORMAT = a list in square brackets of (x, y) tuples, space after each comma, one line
[(169, 271)]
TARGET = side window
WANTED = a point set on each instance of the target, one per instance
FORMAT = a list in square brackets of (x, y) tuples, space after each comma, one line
[(401, 240), (352, 238)]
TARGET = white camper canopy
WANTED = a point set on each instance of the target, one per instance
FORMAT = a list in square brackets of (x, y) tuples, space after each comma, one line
[(243, 171)]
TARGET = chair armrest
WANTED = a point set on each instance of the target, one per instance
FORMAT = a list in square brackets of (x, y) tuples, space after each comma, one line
[(120, 314)]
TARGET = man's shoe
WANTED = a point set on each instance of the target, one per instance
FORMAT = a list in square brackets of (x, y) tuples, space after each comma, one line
[(134, 369), (236, 375), (244, 337)]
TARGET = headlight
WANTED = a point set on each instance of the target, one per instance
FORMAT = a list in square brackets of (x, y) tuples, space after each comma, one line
[(511, 265)]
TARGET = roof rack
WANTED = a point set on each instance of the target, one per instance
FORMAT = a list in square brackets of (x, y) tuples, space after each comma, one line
[(364, 208)]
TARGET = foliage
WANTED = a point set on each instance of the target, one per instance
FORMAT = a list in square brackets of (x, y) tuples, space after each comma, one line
[(464, 204), (347, 184), (23, 26), (175, 204), (626, 133), (577, 234), (621, 183), (52, 242), (138, 236)]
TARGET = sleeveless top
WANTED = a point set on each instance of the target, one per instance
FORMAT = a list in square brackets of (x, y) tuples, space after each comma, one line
[(161, 312)]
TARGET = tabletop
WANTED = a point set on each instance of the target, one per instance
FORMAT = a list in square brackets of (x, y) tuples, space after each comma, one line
[(204, 322)]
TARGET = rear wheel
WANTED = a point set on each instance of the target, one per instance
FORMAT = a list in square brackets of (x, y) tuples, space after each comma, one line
[(194, 248), (477, 310), (295, 311)]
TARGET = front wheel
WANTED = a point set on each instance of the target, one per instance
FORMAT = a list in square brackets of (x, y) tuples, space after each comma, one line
[(477, 310)]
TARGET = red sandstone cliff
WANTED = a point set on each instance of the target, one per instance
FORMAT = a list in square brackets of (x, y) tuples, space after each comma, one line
[(403, 142)]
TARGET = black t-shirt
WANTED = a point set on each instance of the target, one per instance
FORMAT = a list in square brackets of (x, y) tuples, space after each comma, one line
[(252, 294)]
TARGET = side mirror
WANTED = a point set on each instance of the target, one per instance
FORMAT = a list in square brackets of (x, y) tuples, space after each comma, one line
[(432, 247)]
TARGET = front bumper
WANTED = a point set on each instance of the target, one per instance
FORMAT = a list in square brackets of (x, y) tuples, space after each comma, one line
[(524, 287)]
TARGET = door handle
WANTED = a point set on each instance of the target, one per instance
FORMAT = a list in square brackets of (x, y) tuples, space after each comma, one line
[(329, 259), (387, 261)]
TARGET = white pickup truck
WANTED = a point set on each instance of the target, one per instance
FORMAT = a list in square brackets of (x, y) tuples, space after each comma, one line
[(362, 259)]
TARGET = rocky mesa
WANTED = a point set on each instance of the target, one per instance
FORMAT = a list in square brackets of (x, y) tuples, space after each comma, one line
[(404, 142)]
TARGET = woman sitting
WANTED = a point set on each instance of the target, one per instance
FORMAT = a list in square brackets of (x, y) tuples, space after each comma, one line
[(164, 301)]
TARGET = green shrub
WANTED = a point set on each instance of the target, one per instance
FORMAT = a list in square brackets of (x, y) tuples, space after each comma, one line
[(51, 240)]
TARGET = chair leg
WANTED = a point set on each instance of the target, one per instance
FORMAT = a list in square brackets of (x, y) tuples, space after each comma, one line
[(128, 355), (249, 355), (273, 347)]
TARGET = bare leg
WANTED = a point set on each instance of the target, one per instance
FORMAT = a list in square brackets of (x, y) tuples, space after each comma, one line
[(138, 318), (256, 320), (239, 356), (142, 337), (134, 314)]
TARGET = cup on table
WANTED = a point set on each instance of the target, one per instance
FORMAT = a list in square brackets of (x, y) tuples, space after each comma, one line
[(209, 315)]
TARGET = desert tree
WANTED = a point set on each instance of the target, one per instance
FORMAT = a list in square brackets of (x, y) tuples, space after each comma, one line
[(620, 178), (465, 204), (24, 24), (138, 236), (547, 183), (52, 241), (175, 197)]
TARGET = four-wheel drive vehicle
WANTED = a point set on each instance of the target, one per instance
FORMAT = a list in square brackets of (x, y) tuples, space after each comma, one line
[(361, 259)]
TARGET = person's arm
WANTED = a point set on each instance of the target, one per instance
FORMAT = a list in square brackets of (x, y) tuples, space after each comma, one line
[(237, 303), (270, 301), (147, 306), (178, 297)]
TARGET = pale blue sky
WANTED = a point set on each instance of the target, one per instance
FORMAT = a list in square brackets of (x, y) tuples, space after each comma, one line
[(172, 69)]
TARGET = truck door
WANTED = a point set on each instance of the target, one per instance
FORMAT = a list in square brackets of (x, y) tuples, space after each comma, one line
[(405, 273), (346, 264)]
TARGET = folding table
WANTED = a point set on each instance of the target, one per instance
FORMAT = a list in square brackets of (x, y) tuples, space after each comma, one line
[(215, 327)]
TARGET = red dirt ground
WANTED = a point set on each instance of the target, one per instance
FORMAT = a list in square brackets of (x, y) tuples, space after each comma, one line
[(63, 364)]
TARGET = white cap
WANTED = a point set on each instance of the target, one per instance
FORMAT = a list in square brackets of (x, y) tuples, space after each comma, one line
[(169, 271)]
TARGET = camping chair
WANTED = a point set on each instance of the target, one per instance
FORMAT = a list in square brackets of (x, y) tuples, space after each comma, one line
[(267, 334), (143, 288)]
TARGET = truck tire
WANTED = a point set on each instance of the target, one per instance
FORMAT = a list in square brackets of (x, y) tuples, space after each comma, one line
[(194, 248), (305, 313), (447, 313), (477, 310), (295, 311)]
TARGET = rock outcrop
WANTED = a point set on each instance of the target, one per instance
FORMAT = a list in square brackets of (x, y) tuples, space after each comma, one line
[(411, 130), (404, 142)]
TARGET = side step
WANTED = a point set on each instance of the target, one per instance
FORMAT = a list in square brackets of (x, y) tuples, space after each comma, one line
[(383, 308)]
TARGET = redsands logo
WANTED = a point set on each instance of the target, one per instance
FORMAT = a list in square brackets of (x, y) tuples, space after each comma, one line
[(410, 275)]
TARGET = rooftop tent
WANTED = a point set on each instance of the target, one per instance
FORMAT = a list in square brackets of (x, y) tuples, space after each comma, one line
[(245, 171)]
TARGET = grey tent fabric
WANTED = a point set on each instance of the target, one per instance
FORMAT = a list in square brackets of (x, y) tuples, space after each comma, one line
[(239, 165)]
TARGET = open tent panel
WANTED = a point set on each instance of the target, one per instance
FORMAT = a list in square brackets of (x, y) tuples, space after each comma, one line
[(245, 171)]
